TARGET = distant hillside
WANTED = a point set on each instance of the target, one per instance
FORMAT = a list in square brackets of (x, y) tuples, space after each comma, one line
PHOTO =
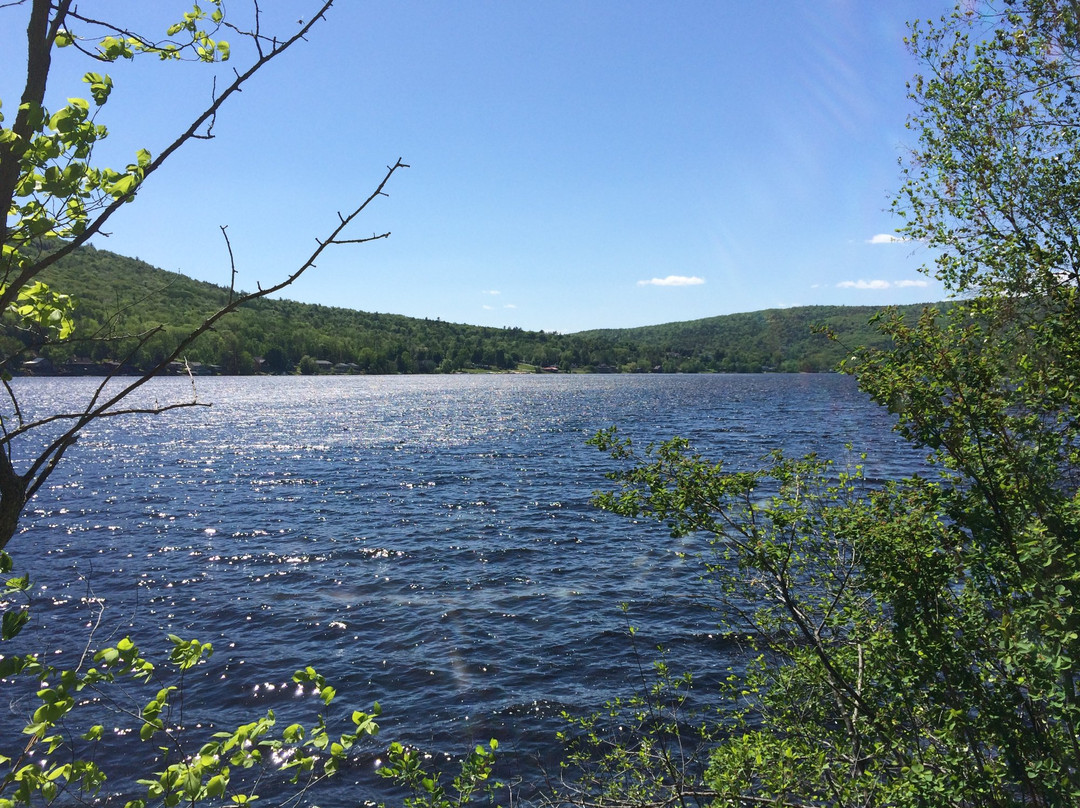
[(119, 297), (774, 339)]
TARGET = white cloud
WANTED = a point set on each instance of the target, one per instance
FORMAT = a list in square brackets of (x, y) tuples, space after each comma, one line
[(885, 238), (880, 284), (861, 284), (486, 307), (492, 292), (673, 280), (510, 306)]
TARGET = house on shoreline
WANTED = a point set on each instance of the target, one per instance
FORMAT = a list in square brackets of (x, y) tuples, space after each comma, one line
[(81, 366)]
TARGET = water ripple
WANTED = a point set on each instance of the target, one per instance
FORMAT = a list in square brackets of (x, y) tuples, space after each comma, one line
[(427, 542)]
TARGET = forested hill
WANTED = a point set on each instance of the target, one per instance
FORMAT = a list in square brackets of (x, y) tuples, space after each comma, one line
[(123, 296), (774, 339)]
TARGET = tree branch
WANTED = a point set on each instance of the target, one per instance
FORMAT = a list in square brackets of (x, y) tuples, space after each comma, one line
[(37, 74)]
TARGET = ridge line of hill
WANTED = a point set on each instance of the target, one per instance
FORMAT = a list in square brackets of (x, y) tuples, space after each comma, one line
[(120, 296)]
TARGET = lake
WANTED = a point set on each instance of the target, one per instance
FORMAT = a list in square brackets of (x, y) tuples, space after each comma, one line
[(425, 541)]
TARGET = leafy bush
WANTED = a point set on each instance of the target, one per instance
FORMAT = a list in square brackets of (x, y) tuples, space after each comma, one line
[(917, 643)]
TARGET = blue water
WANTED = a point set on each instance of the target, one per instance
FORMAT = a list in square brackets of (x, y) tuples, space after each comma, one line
[(425, 542)]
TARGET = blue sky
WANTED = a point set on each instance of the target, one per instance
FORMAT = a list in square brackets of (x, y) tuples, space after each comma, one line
[(575, 165)]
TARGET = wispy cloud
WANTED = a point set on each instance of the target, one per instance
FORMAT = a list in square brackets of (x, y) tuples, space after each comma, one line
[(885, 238), (510, 306), (673, 280), (861, 284), (880, 284), (491, 292)]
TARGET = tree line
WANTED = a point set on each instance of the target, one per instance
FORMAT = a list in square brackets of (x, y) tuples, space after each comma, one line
[(130, 312)]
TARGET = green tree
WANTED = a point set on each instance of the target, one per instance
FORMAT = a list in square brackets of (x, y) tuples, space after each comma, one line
[(917, 643), (276, 361), (52, 189), (53, 198)]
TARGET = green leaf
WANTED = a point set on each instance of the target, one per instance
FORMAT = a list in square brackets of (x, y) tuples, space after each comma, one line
[(125, 185), (100, 87), (13, 622), (215, 786), (94, 733), (293, 733)]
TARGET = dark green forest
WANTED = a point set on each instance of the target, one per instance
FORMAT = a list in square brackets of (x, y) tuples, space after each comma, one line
[(130, 313)]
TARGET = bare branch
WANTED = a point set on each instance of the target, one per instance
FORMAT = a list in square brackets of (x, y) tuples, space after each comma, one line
[(232, 261), (105, 404), (361, 240), (39, 75)]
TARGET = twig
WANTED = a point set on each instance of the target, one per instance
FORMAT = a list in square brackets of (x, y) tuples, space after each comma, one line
[(232, 261)]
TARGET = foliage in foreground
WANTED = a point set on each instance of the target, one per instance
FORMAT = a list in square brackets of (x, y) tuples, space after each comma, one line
[(900, 656), (917, 643), (117, 708), (67, 750), (647, 749)]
